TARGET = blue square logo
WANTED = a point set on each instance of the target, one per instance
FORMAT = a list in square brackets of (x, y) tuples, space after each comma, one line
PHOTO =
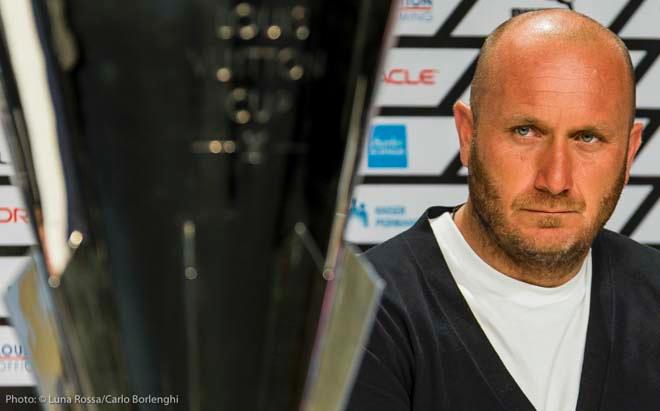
[(387, 147)]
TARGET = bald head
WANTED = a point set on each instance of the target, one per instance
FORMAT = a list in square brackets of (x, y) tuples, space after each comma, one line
[(550, 30)]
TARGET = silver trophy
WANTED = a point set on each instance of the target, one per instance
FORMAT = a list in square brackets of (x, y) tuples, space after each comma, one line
[(188, 167)]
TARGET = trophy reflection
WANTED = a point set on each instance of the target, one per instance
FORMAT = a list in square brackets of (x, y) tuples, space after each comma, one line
[(188, 167)]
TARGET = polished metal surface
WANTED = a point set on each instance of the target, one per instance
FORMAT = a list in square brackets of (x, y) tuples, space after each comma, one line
[(188, 166)]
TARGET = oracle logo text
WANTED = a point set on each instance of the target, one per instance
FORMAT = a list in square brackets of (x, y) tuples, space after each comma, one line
[(401, 76), (13, 215)]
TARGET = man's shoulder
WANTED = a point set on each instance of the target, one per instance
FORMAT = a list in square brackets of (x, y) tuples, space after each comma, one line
[(630, 250), (403, 261), (396, 261), (391, 257), (634, 260), (398, 249)]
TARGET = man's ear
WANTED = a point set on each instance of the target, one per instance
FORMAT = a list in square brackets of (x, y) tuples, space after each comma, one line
[(634, 142), (465, 128)]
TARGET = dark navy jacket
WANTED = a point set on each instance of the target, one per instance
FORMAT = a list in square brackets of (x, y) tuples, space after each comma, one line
[(427, 351)]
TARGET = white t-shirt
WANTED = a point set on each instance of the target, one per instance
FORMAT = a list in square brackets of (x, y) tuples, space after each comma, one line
[(539, 333)]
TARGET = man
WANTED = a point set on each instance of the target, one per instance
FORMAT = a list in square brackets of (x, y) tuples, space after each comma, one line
[(519, 299)]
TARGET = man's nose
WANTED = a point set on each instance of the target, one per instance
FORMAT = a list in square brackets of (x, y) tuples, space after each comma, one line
[(555, 173)]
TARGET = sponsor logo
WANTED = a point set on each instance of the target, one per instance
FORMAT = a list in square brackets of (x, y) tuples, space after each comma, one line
[(386, 216), (13, 358), (359, 211), (387, 147), (402, 76), (416, 10), (9, 215), (392, 216)]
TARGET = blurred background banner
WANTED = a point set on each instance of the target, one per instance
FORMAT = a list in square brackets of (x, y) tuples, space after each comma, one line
[(16, 236), (410, 158)]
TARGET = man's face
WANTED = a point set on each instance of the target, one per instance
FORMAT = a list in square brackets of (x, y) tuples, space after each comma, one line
[(548, 157)]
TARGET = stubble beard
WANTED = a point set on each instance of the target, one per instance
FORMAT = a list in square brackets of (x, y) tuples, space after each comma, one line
[(543, 263)]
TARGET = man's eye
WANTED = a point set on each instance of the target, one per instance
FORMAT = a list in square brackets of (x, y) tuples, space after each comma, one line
[(588, 138), (523, 131)]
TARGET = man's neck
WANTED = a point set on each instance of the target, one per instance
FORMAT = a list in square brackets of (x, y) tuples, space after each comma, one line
[(491, 253)]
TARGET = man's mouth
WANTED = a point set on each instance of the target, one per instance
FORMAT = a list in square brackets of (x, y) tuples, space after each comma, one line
[(549, 212)]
